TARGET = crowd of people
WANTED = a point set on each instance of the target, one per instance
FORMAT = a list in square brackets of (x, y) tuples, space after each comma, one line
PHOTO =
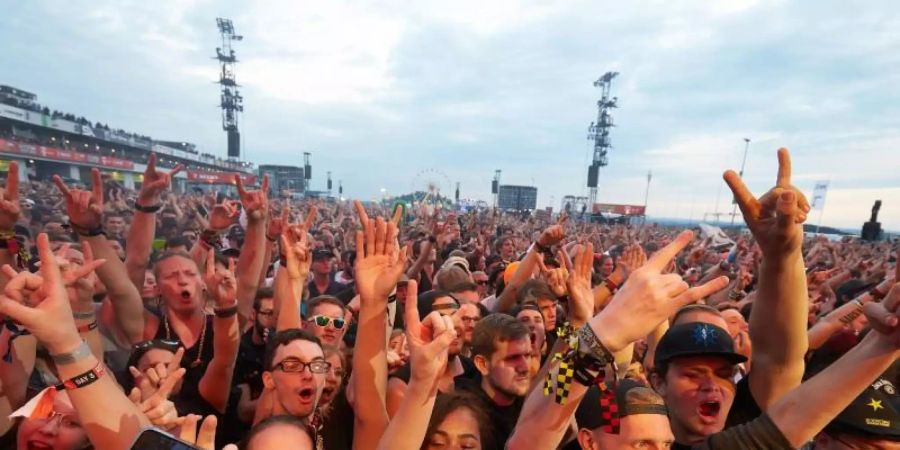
[(270, 323)]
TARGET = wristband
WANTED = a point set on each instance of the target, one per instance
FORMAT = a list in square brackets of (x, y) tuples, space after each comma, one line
[(147, 209), (82, 380), (224, 313), (87, 327), (88, 232), (876, 294), (541, 248), (611, 285), (210, 238), (84, 315), (80, 352)]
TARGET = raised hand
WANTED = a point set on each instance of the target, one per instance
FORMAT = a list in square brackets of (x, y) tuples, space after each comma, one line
[(223, 215), (205, 439), (776, 218), (9, 199), (556, 278), (161, 378), (155, 182), (78, 275), (40, 304), (632, 258), (278, 225), (256, 203), (884, 316), (429, 340), (649, 298), (581, 297), (85, 209), (153, 400), (554, 233), (295, 246), (379, 260), (221, 283)]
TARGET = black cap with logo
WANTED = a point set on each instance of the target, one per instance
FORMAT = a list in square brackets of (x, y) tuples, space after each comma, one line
[(696, 339), (875, 413)]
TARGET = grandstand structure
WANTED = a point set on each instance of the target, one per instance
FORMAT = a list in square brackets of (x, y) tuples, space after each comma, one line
[(47, 142)]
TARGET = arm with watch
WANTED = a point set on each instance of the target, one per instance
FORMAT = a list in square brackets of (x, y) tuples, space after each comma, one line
[(143, 225), (111, 424), (548, 238), (649, 298), (84, 209), (215, 386)]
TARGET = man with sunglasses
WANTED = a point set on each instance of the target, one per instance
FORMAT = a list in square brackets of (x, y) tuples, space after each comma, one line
[(325, 319)]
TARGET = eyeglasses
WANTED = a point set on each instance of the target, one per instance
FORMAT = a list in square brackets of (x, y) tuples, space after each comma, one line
[(294, 365), (157, 343), (266, 312), (65, 420), (481, 282), (323, 321)]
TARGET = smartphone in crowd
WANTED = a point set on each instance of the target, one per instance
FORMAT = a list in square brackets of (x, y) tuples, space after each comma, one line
[(155, 439)]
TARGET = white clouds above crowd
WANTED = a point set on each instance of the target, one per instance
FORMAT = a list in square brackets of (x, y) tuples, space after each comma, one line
[(379, 91)]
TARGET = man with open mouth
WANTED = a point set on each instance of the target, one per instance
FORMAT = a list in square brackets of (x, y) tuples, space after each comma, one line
[(694, 369)]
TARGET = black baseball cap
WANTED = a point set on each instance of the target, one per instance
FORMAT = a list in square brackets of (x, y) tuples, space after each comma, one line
[(632, 398), (875, 413), (696, 339), (322, 254)]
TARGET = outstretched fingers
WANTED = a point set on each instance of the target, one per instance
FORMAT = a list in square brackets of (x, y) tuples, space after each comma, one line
[(661, 258), (694, 294), (784, 168), (746, 201)]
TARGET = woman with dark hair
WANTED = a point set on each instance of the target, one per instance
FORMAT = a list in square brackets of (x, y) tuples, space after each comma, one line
[(458, 421)]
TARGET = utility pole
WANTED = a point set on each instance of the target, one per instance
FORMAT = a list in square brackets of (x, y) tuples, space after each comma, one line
[(743, 163), (599, 131)]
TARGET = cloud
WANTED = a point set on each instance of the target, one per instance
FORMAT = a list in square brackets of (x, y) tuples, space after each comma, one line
[(380, 91)]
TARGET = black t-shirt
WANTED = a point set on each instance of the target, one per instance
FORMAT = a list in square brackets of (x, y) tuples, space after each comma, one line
[(758, 434), (337, 430), (503, 418), (744, 409), (333, 288), (470, 372), (248, 368)]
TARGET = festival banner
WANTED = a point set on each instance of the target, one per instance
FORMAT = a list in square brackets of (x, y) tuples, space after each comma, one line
[(623, 210), (218, 177), (817, 201), (56, 154)]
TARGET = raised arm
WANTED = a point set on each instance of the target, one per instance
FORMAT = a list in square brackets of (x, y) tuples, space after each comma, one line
[(779, 316), (250, 263), (649, 298), (110, 424), (84, 210), (143, 226), (379, 265), (215, 386), (291, 279), (429, 343), (804, 411)]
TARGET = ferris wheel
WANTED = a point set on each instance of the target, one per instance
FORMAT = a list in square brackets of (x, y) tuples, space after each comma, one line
[(430, 185)]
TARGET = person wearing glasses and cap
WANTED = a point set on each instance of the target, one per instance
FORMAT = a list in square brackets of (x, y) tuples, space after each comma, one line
[(459, 370)]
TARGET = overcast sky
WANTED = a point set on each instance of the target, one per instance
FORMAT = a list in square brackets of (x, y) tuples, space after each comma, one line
[(394, 94)]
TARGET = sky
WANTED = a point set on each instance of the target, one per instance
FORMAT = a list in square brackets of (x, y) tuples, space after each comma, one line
[(395, 94)]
